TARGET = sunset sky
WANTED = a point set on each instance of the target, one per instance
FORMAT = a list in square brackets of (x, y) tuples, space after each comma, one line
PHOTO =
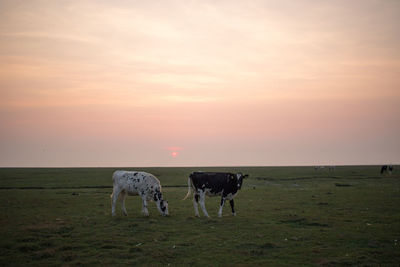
[(199, 83)]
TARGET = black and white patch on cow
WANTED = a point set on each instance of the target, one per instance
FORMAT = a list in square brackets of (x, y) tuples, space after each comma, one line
[(211, 184), (143, 184)]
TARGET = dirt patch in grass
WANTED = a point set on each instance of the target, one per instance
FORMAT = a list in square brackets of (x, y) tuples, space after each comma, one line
[(44, 254), (303, 222), (343, 185)]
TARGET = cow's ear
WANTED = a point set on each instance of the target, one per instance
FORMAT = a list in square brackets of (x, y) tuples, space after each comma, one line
[(245, 176)]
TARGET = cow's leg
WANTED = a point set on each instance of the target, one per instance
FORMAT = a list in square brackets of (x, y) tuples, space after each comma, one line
[(114, 198), (202, 204), (195, 204), (123, 196), (144, 206), (221, 206), (232, 206)]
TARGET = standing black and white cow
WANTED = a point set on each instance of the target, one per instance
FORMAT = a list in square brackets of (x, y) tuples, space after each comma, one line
[(213, 184), (384, 169), (132, 183), (387, 168)]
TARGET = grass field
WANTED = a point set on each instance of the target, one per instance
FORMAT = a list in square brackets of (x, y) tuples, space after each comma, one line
[(286, 216)]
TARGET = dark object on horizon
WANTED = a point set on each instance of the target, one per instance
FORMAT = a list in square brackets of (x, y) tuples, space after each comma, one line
[(387, 168)]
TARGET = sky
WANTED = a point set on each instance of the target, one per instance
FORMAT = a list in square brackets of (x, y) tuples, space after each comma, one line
[(199, 83)]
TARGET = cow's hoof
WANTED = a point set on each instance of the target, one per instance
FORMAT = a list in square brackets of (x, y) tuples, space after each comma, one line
[(219, 215), (234, 214)]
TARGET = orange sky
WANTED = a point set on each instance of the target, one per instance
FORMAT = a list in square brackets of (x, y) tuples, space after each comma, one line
[(194, 83)]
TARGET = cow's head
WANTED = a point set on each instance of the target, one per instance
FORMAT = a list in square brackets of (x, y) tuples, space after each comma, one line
[(239, 179), (162, 205)]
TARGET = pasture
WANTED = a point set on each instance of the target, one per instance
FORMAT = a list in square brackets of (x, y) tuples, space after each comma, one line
[(286, 216)]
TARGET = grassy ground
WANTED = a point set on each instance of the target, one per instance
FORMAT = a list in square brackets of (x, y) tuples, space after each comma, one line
[(285, 216)]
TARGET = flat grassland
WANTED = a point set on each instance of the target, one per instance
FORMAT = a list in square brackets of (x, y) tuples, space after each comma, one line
[(286, 216)]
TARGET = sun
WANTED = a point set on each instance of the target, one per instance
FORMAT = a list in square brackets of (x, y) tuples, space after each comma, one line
[(174, 150)]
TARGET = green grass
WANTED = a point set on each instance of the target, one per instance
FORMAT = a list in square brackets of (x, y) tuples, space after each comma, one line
[(286, 216)]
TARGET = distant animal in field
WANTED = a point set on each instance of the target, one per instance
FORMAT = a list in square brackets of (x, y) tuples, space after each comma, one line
[(224, 184), (132, 183), (321, 168), (387, 169)]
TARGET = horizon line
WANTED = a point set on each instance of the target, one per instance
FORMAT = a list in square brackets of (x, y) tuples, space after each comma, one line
[(192, 166)]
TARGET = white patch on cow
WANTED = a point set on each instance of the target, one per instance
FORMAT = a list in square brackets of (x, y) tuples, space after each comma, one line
[(220, 211), (202, 203), (220, 208), (195, 206)]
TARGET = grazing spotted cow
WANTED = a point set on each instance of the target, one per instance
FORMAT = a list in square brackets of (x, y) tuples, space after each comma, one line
[(132, 183), (213, 184)]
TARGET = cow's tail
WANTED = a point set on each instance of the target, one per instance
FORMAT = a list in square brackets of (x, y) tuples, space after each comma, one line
[(189, 187), (113, 179)]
